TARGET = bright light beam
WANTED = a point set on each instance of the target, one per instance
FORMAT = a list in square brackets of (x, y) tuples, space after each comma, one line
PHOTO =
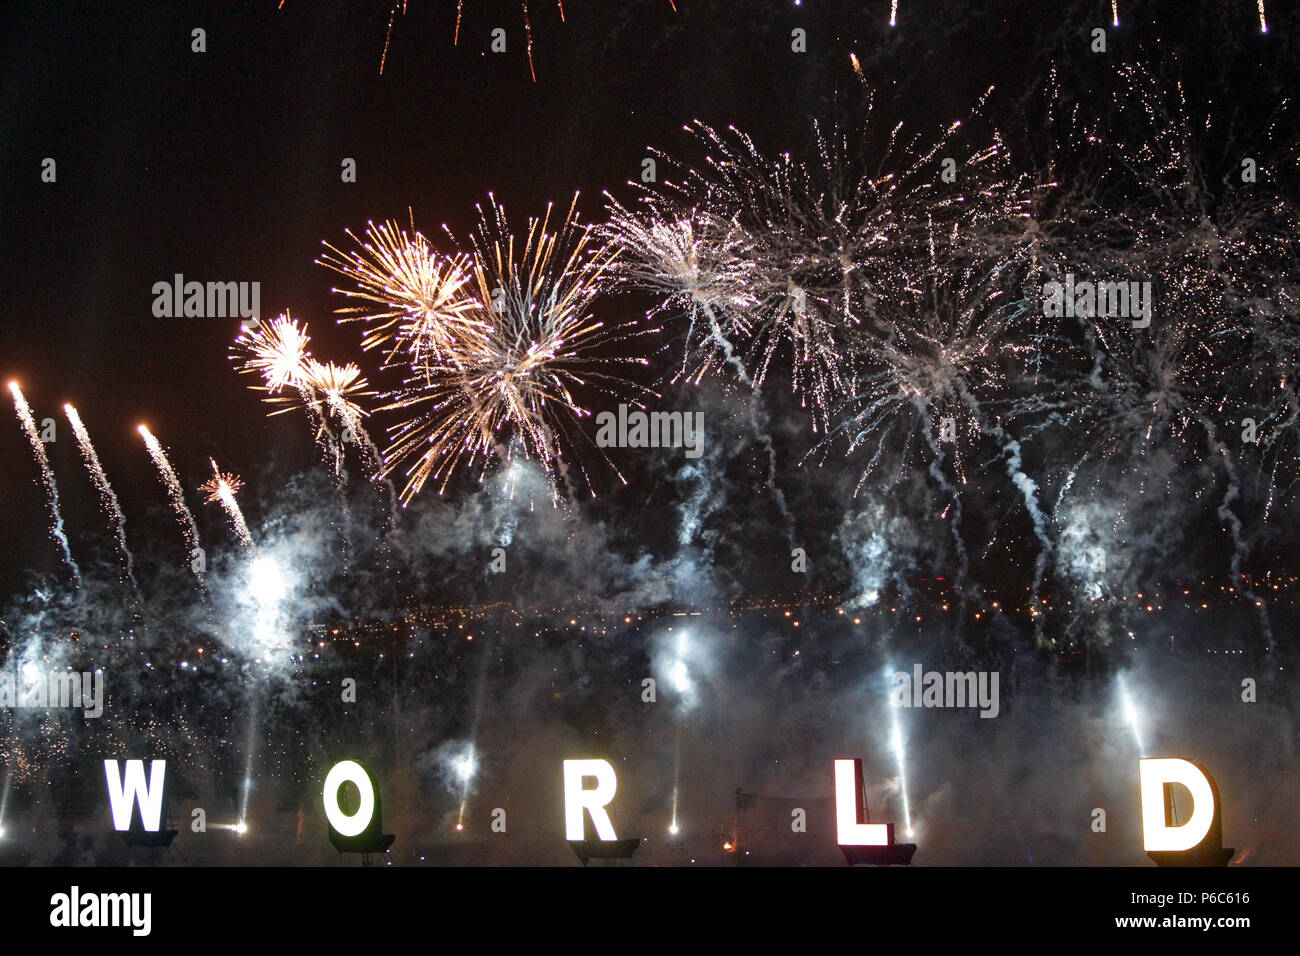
[(1131, 717), (896, 736)]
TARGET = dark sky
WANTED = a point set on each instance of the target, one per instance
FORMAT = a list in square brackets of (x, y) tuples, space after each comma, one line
[(225, 165)]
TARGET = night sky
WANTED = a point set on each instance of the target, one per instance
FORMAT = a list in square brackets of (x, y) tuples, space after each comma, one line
[(225, 166)]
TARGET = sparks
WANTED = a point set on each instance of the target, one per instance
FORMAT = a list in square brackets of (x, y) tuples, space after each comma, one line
[(221, 489)]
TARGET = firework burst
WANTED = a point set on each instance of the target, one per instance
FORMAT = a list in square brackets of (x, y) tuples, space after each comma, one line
[(933, 365), (276, 350), (340, 385), (773, 257), (1218, 255), (518, 383), (416, 301), (691, 262)]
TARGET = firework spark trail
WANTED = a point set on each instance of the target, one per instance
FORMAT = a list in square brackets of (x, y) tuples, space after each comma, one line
[(679, 262), (174, 490), (1029, 491), (329, 443), (760, 432), (959, 544), (47, 476), (467, 765), (220, 489), (754, 405), (900, 757), (388, 35), (1276, 348), (340, 386), (106, 497), (1240, 550), (331, 446), (1284, 416)]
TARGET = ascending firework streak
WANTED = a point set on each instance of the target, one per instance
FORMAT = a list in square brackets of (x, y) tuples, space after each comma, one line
[(106, 496), (174, 491), (220, 489), (47, 475)]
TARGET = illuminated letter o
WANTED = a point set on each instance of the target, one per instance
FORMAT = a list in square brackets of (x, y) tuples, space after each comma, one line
[(349, 825)]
